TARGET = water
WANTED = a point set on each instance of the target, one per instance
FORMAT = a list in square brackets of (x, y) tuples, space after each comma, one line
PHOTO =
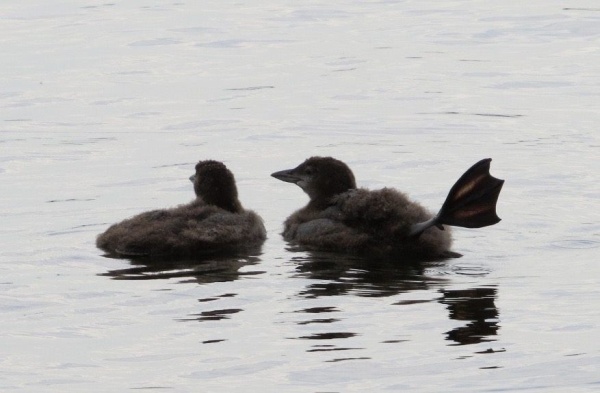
[(106, 107)]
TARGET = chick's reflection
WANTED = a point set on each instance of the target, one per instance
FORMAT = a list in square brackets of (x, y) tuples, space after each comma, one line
[(205, 270), (335, 275), (475, 305)]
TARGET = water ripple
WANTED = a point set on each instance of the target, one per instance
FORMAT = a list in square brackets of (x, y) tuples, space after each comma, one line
[(576, 243)]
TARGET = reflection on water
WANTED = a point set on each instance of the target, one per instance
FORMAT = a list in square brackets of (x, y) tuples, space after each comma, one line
[(204, 270), (331, 274), (213, 315), (337, 274), (329, 336), (475, 305), (318, 310)]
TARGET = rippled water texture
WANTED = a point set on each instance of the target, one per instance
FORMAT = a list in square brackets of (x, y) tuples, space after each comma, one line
[(106, 107)]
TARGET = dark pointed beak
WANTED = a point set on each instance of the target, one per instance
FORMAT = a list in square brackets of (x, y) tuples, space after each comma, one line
[(193, 177), (286, 176)]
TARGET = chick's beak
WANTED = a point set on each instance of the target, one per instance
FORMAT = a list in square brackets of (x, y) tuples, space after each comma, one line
[(193, 178), (286, 176)]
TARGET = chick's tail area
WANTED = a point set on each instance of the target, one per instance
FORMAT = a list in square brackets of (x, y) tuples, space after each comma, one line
[(471, 202)]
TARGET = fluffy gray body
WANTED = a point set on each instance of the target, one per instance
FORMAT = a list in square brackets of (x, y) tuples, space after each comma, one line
[(340, 217), (367, 222), (214, 222)]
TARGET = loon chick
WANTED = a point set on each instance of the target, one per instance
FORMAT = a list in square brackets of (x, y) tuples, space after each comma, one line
[(214, 222), (383, 223)]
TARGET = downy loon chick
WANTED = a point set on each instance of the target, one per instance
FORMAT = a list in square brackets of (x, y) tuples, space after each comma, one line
[(383, 223), (214, 222)]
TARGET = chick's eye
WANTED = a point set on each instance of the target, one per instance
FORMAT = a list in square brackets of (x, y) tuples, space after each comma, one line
[(309, 170)]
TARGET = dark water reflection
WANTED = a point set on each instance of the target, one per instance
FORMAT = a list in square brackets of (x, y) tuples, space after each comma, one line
[(338, 275), (475, 306), (203, 270), (330, 275), (213, 315), (341, 274)]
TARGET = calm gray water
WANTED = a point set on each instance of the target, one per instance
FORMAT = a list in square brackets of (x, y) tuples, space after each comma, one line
[(105, 108)]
